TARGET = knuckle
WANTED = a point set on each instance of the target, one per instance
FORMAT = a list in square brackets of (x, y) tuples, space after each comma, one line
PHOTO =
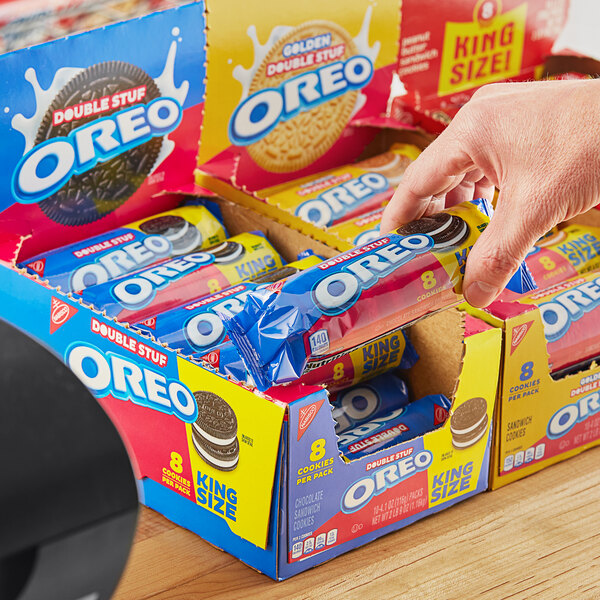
[(490, 89), (498, 262), (410, 181)]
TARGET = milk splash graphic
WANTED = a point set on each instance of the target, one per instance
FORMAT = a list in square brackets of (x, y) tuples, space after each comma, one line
[(245, 76), (29, 126)]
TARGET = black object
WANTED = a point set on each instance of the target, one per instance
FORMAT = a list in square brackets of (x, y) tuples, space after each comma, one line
[(68, 500)]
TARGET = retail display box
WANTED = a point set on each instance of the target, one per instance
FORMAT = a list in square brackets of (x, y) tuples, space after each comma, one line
[(545, 417), (292, 501), (287, 89), (95, 129), (27, 22)]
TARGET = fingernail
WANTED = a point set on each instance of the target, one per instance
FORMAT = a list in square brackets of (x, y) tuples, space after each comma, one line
[(480, 293)]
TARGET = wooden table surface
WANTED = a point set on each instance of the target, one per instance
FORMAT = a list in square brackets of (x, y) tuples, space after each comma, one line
[(537, 538)]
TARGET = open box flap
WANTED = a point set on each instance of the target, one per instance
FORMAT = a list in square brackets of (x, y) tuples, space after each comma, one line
[(252, 53), (94, 124)]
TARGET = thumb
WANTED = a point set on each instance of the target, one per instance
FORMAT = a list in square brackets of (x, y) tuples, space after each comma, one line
[(499, 251)]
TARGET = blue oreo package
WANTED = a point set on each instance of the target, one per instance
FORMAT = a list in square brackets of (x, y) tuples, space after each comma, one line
[(226, 359), (197, 327), (399, 425), (360, 295), (115, 253), (366, 401), (172, 283)]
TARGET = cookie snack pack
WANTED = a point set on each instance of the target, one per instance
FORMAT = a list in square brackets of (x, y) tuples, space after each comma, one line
[(360, 230), (342, 193), (360, 403), (361, 362), (174, 282), (119, 251), (402, 424), (196, 328), (572, 250), (354, 297)]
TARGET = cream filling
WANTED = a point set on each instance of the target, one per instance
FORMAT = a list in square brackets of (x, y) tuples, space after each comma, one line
[(212, 438), (179, 233), (469, 442), (191, 245), (453, 241), (215, 461), (468, 429)]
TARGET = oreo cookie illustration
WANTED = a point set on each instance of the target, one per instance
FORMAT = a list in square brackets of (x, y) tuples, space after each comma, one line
[(166, 225), (223, 458), (276, 275), (447, 231), (184, 236), (214, 432), (469, 423), (91, 195), (227, 252)]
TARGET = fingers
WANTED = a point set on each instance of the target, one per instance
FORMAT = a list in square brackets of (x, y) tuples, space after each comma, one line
[(484, 188), (437, 170), (461, 193), (498, 252), (437, 204)]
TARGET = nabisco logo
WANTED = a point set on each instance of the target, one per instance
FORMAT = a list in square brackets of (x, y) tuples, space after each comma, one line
[(60, 313), (307, 415), (150, 323), (212, 358), (518, 335), (276, 286), (440, 414), (38, 266)]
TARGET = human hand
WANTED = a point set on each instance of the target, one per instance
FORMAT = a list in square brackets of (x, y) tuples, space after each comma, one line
[(538, 143)]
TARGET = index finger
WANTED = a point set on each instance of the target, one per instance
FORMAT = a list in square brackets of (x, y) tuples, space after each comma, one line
[(439, 168)]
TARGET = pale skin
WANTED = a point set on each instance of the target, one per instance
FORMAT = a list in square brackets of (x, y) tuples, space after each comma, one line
[(538, 143)]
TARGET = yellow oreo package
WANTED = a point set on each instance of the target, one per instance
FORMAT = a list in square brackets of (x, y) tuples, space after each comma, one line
[(340, 194), (390, 351), (360, 230), (567, 252)]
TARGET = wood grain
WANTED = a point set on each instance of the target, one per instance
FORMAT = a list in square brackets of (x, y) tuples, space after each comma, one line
[(538, 538)]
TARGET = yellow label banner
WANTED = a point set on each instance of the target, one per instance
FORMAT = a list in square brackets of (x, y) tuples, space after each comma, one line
[(478, 53)]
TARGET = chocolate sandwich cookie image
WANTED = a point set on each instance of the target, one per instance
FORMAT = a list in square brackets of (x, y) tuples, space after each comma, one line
[(227, 252), (447, 231), (469, 423), (184, 236), (169, 226), (223, 458), (214, 433), (91, 195), (276, 275)]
